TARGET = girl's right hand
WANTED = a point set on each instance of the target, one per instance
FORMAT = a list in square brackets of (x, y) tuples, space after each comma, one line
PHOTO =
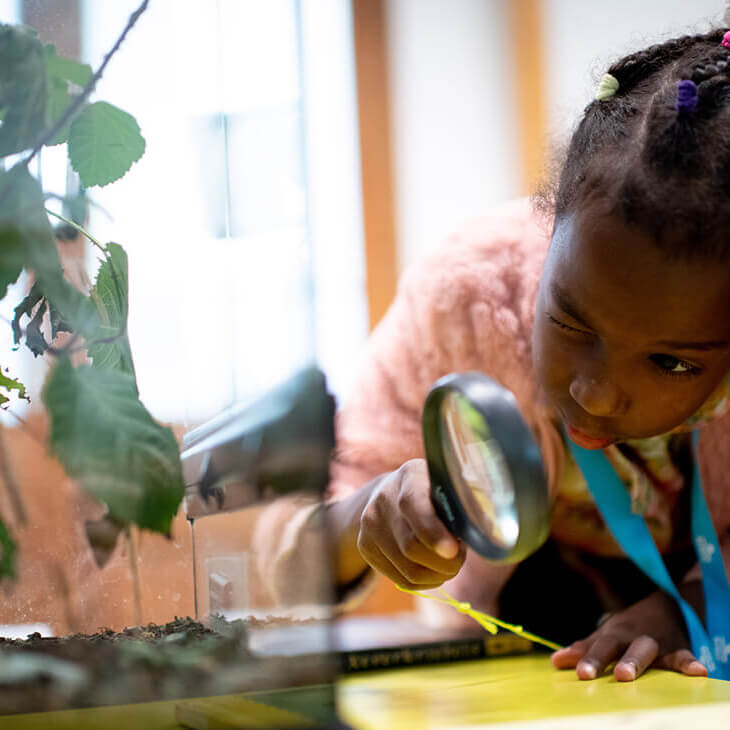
[(400, 534)]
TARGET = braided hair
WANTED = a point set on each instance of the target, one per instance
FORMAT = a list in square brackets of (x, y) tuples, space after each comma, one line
[(644, 156)]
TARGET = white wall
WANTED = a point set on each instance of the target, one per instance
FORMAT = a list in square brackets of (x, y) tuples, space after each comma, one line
[(454, 137), (451, 103)]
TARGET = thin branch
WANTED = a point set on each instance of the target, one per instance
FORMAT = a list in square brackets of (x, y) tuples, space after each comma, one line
[(81, 230), (121, 302), (86, 91), (64, 590), (92, 203), (134, 568)]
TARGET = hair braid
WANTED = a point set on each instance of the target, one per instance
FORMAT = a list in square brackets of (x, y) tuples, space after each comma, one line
[(637, 67), (711, 66), (661, 167)]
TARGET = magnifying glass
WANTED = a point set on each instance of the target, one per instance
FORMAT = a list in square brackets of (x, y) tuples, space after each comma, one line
[(488, 484)]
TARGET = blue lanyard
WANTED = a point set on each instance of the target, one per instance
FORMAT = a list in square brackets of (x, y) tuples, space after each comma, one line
[(711, 646)]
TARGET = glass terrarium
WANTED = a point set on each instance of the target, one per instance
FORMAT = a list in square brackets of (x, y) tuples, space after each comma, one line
[(258, 651), (161, 262), (262, 573)]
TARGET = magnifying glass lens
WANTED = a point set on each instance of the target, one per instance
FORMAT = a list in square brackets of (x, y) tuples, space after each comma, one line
[(478, 470)]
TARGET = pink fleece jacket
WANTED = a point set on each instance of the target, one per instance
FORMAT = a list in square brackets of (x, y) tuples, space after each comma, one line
[(470, 306)]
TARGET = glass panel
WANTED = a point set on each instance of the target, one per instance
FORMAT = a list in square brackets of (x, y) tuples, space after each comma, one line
[(256, 476), (478, 471), (214, 219)]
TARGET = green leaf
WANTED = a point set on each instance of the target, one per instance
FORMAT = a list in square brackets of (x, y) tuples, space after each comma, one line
[(23, 84), (66, 69), (8, 384), (105, 438), (110, 296), (26, 240), (62, 71), (12, 252), (58, 101), (7, 552), (103, 143), (24, 228)]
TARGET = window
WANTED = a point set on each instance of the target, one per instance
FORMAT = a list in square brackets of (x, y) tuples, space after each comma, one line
[(242, 220), (236, 277)]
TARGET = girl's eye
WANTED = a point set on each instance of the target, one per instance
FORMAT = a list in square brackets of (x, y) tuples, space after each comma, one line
[(564, 326), (673, 365)]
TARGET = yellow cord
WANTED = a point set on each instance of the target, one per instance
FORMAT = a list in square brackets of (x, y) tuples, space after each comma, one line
[(490, 623)]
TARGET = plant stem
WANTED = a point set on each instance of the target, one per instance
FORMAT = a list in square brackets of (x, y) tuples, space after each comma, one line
[(135, 577), (86, 91), (195, 568), (63, 588), (92, 203), (81, 230), (121, 302)]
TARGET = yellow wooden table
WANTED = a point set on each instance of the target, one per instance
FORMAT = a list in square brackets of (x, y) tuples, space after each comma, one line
[(527, 692), (513, 693)]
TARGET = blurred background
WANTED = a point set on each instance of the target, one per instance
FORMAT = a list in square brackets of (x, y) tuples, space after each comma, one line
[(300, 154)]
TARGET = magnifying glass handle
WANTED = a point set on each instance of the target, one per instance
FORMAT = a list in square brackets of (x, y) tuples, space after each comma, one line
[(445, 508)]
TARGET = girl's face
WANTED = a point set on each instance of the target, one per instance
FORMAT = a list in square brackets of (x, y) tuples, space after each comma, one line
[(626, 343)]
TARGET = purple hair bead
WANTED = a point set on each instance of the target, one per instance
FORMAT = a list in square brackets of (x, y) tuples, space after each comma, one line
[(686, 96)]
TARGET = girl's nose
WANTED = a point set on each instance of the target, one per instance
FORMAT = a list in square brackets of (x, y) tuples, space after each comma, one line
[(597, 396)]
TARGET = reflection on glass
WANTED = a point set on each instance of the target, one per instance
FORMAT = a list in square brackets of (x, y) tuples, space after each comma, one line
[(478, 471), (262, 575)]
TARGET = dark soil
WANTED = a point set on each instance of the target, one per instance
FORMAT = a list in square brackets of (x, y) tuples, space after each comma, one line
[(62, 646), (182, 658)]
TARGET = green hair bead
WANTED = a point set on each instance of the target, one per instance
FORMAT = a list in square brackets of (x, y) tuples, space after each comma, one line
[(607, 88)]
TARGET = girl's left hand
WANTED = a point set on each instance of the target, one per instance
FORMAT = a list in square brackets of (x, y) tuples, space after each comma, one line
[(649, 633)]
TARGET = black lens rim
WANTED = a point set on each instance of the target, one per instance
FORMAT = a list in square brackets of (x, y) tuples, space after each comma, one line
[(500, 411)]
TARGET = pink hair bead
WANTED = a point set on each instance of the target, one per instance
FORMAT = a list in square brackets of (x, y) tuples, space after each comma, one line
[(726, 40)]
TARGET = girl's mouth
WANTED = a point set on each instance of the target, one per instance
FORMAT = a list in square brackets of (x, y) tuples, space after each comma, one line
[(585, 441)]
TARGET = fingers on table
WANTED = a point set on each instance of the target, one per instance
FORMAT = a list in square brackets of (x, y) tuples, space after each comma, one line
[(590, 657), (599, 655), (569, 656), (633, 661), (636, 659), (684, 662)]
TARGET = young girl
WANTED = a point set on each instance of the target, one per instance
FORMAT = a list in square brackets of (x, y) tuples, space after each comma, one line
[(612, 329)]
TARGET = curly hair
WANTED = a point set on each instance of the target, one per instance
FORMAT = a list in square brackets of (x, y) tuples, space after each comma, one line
[(665, 171)]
